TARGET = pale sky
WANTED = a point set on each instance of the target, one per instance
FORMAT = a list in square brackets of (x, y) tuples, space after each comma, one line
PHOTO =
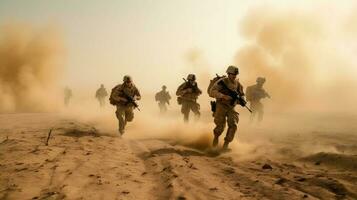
[(147, 39)]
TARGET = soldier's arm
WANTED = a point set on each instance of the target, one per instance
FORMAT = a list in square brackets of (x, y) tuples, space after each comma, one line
[(180, 91), (215, 91), (199, 91), (137, 94), (117, 94)]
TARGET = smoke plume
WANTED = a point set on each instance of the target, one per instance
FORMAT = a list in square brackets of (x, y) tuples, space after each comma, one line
[(29, 68), (299, 53)]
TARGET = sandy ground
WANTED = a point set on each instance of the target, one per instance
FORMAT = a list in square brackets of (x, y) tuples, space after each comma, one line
[(81, 162)]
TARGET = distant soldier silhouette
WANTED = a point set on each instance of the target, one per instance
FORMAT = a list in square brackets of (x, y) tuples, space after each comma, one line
[(254, 94), (124, 97), (163, 97), (188, 93), (100, 94), (67, 95)]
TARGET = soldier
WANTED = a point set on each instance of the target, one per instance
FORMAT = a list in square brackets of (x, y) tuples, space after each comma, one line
[(67, 95), (123, 96), (188, 93), (163, 97), (254, 94), (100, 94), (225, 104)]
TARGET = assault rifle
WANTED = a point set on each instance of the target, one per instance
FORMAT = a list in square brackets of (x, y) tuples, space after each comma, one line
[(131, 100), (193, 86), (235, 96)]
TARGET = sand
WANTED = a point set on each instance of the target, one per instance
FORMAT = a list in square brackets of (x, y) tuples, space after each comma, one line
[(81, 162)]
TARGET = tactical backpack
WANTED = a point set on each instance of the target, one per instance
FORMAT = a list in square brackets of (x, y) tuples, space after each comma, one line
[(212, 82), (111, 98)]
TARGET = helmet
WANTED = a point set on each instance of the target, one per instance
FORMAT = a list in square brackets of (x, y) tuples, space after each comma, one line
[(191, 77), (260, 80), (232, 70), (127, 78), (164, 87)]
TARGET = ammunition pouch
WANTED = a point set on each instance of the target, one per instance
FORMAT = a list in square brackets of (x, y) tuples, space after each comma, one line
[(179, 100), (213, 106)]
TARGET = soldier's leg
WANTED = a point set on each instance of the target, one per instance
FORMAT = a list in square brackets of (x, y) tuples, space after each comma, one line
[(232, 121), (195, 107), (260, 112), (185, 110), (120, 115), (220, 121), (162, 107), (129, 114), (253, 107)]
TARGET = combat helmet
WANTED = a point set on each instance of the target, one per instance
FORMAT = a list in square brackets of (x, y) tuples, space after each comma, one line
[(232, 70), (191, 77), (127, 78), (260, 80)]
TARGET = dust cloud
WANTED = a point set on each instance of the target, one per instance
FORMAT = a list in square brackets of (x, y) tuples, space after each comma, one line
[(302, 55), (29, 68)]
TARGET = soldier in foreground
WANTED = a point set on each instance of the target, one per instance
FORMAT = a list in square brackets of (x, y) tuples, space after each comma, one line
[(254, 94), (67, 95), (163, 97), (188, 93), (228, 93), (123, 96), (100, 94)]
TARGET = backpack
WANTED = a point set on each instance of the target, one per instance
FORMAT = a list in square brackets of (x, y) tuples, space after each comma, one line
[(212, 82), (111, 98)]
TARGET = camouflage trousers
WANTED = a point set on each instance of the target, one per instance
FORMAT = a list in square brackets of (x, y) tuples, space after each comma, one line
[(188, 106), (101, 101), (163, 107), (225, 114), (124, 114), (257, 109)]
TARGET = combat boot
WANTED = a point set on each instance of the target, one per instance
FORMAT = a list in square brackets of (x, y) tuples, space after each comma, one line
[(225, 145), (215, 141)]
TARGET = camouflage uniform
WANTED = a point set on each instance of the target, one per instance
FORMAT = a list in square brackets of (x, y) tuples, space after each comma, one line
[(124, 110), (254, 94), (187, 94), (224, 110), (100, 94), (163, 97)]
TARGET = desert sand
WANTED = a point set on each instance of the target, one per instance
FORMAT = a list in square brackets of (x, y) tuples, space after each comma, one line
[(315, 161)]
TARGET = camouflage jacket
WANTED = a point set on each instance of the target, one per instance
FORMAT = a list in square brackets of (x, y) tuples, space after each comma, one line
[(120, 91), (255, 93), (185, 94), (219, 91)]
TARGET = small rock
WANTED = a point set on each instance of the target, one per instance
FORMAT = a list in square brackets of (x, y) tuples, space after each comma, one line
[(280, 181), (181, 198), (125, 192), (267, 166), (213, 189), (144, 173), (318, 163), (301, 179), (35, 198), (305, 196), (229, 170)]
